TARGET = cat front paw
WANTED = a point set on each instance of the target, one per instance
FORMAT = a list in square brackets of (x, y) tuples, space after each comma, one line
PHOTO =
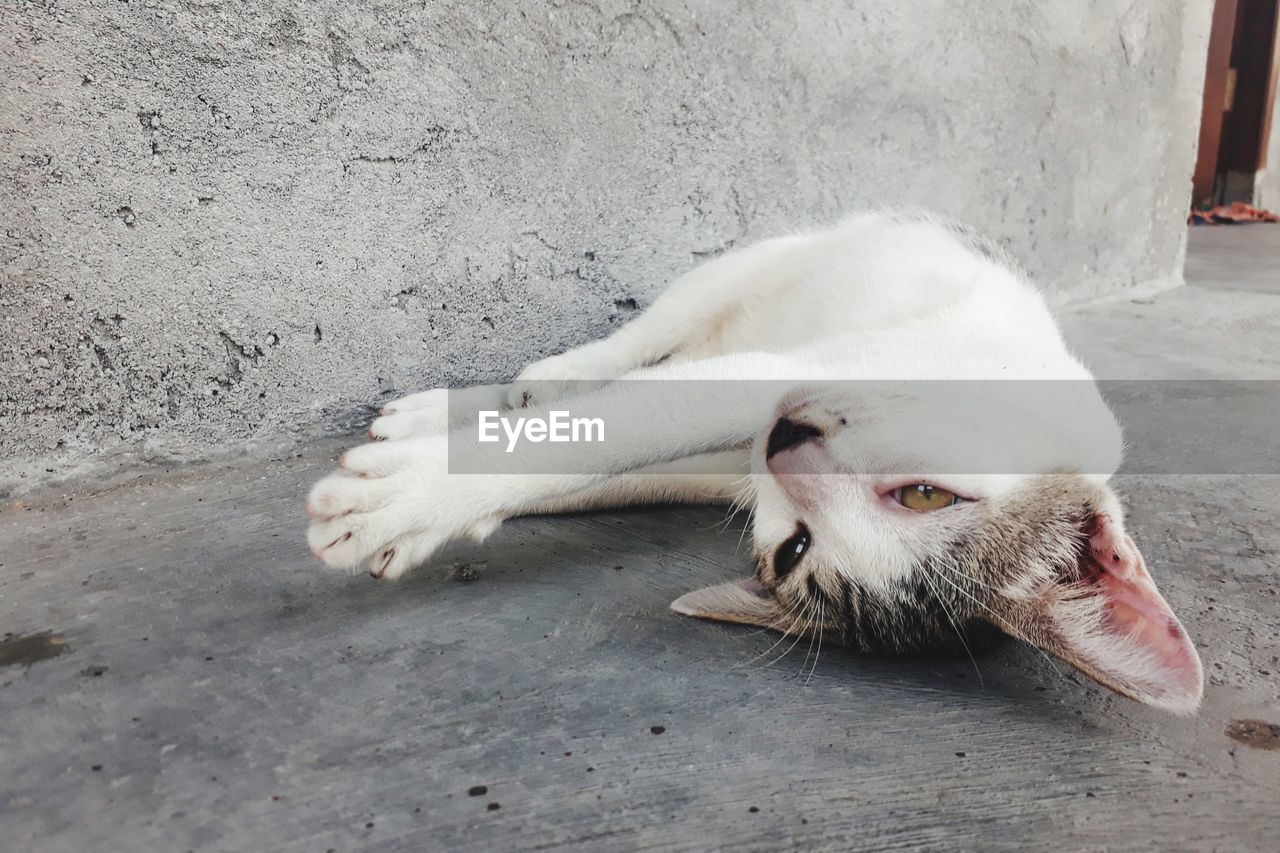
[(561, 376), (391, 506), (422, 414)]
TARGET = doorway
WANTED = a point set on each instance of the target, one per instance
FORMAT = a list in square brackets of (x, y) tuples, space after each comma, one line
[(1239, 92)]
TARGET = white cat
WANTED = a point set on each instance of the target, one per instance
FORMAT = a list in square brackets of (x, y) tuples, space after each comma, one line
[(793, 377)]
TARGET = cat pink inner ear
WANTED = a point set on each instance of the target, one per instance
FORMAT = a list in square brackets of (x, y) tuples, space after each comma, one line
[(1122, 632)]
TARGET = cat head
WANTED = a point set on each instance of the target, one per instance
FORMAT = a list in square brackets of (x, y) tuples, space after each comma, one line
[(848, 546)]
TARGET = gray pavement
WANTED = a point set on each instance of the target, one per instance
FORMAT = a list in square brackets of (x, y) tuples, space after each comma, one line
[(178, 673)]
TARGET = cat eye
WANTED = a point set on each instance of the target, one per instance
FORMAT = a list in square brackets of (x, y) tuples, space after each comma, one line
[(790, 551), (923, 497)]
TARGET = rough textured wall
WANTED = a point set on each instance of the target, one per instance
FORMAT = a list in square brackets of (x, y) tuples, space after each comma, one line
[(227, 225)]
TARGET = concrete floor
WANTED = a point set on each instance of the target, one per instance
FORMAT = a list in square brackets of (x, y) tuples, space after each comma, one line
[(179, 674), (1249, 253)]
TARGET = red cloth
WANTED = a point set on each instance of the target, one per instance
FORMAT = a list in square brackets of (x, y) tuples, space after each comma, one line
[(1231, 215)]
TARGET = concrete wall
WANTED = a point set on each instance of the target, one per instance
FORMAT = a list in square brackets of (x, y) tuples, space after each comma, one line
[(1267, 186), (230, 225)]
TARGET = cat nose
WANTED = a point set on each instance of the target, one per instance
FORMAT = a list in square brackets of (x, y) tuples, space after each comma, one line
[(787, 434)]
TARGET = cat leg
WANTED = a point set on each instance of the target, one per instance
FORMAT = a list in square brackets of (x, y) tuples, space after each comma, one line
[(688, 312), (436, 411), (708, 478), (396, 502)]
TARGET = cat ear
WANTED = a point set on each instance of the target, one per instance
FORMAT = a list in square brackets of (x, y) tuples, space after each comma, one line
[(745, 601), (1111, 623)]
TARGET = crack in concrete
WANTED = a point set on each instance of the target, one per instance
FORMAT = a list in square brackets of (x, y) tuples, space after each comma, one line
[(436, 136)]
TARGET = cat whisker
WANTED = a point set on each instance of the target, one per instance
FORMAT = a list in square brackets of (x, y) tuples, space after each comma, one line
[(954, 625), (742, 501), (743, 534), (822, 618), (782, 624), (739, 503), (787, 624), (809, 650), (1000, 619), (798, 637)]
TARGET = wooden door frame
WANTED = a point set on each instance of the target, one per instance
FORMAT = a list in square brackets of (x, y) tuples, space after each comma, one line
[(1240, 73), (1212, 111)]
